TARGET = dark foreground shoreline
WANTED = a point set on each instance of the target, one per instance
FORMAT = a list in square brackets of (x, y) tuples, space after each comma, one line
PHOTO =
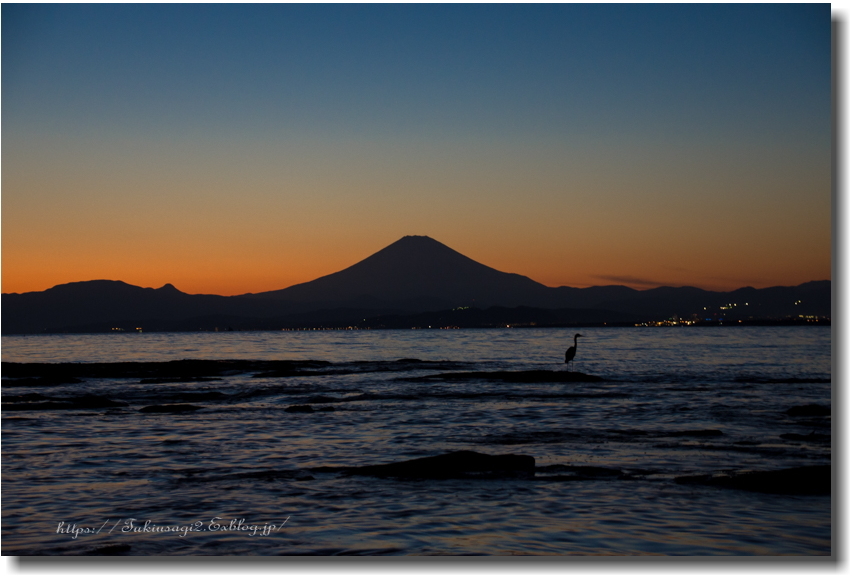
[(803, 480)]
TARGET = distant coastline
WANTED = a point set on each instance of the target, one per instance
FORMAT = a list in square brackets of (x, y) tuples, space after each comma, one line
[(415, 322), (416, 282)]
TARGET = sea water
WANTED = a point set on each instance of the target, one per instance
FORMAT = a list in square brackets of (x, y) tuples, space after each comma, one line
[(246, 475)]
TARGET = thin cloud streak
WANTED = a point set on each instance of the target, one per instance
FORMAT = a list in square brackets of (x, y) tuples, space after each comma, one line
[(635, 282)]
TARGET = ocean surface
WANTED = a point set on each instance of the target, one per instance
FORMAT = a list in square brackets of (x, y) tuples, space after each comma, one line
[(256, 461)]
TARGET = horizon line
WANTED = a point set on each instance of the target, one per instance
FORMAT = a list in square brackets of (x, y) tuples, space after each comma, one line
[(170, 285)]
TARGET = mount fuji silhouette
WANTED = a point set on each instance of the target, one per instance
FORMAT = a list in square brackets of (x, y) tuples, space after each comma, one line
[(417, 271), (392, 288)]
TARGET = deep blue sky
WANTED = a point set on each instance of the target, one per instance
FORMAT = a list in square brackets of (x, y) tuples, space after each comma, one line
[(606, 131), (493, 67)]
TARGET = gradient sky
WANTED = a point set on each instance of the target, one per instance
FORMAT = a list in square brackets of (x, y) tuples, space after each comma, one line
[(244, 148)]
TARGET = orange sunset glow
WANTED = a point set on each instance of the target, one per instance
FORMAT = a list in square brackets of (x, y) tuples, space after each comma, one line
[(718, 181)]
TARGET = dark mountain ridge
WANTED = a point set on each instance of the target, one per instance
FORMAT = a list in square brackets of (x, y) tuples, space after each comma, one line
[(411, 276), (421, 269)]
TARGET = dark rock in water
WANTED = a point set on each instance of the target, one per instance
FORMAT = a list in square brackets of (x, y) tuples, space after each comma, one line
[(40, 382), (810, 437), (460, 464), (174, 369), (177, 408), (811, 410), (299, 409), (516, 376), (803, 480)]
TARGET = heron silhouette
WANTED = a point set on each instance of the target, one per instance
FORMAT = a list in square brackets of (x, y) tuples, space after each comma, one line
[(571, 352)]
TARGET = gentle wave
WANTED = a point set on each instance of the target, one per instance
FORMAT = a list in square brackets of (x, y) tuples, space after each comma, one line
[(271, 435)]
